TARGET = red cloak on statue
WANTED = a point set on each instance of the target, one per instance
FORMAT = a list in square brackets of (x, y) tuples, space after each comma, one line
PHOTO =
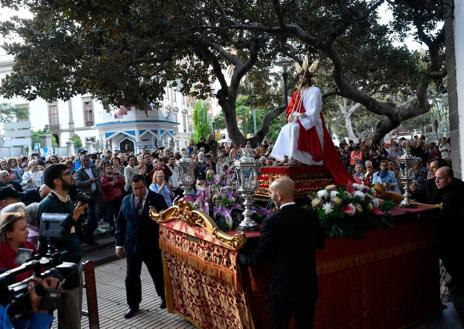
[(308, 141)]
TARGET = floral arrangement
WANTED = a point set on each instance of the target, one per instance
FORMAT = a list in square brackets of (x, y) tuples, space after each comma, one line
[(218, 197), (344, 213)]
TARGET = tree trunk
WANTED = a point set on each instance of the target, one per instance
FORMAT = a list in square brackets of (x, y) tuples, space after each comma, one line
[(383, 127), (230, 118), (347, 116)]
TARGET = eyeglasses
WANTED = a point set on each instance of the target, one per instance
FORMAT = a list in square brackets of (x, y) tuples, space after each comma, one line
[(159, 176)]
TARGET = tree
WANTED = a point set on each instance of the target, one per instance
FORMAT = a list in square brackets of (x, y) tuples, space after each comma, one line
[(127, 52), (6, 112), (201, 123), (77, 141), (342, 31), (36, 136), (9, 113)]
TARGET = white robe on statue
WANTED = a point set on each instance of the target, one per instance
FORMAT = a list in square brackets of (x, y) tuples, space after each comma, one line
[(287, 141)]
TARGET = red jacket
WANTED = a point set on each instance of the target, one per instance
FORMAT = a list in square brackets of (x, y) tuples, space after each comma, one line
[(8, 258), (111, 192)]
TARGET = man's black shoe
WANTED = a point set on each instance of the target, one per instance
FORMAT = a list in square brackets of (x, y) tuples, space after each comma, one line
[(131, 311), (163, 304)]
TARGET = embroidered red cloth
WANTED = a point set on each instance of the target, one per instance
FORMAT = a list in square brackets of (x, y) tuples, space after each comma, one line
[(202, 281), (389, 279)]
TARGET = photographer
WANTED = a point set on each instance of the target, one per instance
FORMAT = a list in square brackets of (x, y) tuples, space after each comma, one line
[(41, 319), (58, 178)]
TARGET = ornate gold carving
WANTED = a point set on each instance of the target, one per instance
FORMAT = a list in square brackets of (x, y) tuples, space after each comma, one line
[(182, 210)]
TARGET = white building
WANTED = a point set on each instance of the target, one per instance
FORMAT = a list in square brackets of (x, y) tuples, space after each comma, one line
[(100, 128)]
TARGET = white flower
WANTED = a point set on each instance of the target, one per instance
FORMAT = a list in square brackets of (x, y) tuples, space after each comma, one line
[(376, 202), (333, 194), (315, 202), (357, 186), (327, 207), (337, 201), (359, 194), (322, 194)]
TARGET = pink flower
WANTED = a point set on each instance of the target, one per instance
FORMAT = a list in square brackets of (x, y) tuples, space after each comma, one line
[(350, 209)]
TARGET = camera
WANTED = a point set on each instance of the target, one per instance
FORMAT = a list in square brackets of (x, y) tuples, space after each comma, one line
[(16, 294), (83, 198)]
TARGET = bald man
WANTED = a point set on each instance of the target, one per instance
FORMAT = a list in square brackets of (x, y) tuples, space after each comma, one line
[(427, 192), (451, 226), (289, 239)]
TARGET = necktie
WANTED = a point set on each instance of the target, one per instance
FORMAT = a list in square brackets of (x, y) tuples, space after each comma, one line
[(138, 206)]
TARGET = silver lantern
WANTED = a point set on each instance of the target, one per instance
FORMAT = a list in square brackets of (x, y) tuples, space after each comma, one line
[(247, 171), (406, 164), (187, 173)]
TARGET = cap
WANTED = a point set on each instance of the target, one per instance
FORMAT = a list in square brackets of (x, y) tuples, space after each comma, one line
[(8, 192)]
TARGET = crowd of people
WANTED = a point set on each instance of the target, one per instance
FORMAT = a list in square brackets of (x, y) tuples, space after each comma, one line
[(93, 188)]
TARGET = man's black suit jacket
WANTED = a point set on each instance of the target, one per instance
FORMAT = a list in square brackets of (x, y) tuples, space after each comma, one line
[(138, 232), (289, 239)]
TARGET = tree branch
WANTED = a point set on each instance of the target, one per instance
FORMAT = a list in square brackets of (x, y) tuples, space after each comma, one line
[(278, 12), (330, 93), (224, 53), (267, 120), (241, 69)]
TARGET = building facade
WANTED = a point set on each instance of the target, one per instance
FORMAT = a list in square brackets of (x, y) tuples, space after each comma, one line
[(454, 36), (99, 127)]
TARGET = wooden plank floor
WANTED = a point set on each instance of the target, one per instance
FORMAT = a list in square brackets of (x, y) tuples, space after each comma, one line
[(112, 305), (111, 294)]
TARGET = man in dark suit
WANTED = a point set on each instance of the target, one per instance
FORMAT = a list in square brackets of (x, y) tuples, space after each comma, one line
[(87, 180), (137, 236), (451, 226), (289, 239)]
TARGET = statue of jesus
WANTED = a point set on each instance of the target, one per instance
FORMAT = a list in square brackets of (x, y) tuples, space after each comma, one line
[(305, 138)]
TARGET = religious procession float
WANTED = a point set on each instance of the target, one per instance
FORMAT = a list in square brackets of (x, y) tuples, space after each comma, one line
[(379, 268)]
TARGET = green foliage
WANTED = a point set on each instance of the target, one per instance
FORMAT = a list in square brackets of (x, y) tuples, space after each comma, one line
[(343, 214), (244, 110), (37, 136), (6, 112), (9, 113), (54, 141), (22, 112), (126, 52), (201, 124), (76, 140)]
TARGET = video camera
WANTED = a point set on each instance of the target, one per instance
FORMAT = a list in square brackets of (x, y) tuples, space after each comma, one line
[(83, 197), (16, 294)]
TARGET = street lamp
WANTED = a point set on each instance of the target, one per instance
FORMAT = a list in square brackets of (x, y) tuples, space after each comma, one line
[(186, 173), (285, 65), (406, 164), (246, 170)]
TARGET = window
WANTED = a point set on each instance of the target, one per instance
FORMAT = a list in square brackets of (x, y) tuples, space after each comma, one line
[(173, 96), (53, 117), (89, 117)]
